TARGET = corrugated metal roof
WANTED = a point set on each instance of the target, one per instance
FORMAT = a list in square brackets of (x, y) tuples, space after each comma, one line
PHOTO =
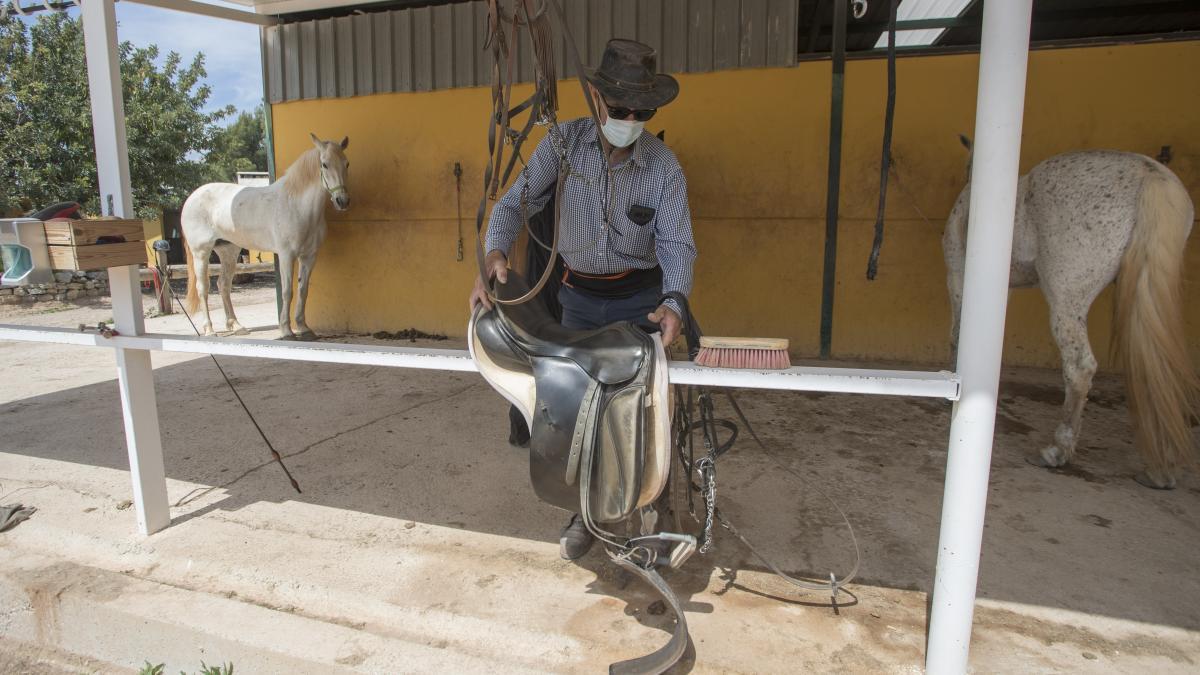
[(1053, 21), (1078, 19), (441, 46)]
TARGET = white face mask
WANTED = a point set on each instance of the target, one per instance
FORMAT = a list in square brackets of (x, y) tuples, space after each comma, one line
[(622, 133)]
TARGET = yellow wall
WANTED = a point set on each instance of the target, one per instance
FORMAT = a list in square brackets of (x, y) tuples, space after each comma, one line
[(754, 144)]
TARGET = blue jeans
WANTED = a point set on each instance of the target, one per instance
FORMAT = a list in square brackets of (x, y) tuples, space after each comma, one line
[(584, 311)]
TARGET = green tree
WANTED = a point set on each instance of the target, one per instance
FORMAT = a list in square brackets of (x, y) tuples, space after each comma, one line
[(241, 146), (46, 151), (46, 145)]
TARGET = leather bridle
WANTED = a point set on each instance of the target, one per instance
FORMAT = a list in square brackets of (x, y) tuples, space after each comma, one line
[(541, 107)]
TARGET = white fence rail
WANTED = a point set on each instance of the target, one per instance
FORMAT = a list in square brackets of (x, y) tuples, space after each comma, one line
[(800, 378)]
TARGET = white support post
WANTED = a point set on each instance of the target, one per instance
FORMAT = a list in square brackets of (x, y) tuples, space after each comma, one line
[(133, 365), (1000, 104)]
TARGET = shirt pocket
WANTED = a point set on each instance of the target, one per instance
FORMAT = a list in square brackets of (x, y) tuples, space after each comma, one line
[(640, 215)]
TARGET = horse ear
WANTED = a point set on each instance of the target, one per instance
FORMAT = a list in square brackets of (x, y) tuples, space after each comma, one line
[(345, 142), (316, 141), (962, 138)]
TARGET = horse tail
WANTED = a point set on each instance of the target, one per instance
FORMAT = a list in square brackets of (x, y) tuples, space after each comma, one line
[(192, 302), (1149, 337)]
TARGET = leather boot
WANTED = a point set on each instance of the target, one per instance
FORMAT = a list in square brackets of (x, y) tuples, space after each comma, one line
[(575, 539), (518, 430)]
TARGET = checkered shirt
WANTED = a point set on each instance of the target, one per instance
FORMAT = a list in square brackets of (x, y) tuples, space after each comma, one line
[(650, 177)]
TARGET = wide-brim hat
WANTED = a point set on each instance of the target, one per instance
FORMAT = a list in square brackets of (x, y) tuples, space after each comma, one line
[(627, 76)]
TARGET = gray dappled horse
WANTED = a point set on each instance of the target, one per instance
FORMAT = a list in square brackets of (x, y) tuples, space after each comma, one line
[(1084, 219)]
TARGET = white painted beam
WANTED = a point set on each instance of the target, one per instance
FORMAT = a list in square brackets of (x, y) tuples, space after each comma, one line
[(999, 108), (142, 437), (205, 9), (838, 380), (292, 6)]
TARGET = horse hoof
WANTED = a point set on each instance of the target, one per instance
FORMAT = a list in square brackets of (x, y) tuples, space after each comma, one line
[(287, 336), (307, 336), (1047, 458), (238, 330), (1146, 480)]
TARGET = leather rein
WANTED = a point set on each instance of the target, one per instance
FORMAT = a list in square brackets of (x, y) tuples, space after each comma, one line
[(541, 107)]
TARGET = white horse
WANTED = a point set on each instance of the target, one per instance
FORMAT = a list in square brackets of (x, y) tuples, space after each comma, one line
[(1084, 219), (286, 217)]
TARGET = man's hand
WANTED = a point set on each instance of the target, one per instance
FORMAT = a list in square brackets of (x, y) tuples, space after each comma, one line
[(668, 322), (496, 265)]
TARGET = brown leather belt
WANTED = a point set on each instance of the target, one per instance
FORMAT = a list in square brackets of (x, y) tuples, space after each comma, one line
[(623, 284)]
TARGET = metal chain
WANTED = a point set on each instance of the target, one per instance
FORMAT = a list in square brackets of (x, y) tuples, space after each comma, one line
[(707, 469)]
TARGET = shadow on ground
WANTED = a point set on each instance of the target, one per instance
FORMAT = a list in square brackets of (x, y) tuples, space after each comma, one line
[(431, 448)]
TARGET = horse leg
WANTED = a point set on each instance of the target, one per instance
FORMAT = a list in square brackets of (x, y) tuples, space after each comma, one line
[(200, 268), (228, 254), (954, 253), (1069, 325), (306, 266), (954, 285), (286, 273)]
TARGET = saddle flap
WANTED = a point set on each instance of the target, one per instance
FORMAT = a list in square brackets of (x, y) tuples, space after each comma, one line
[(572, 415), (620, 455), (560, 388)]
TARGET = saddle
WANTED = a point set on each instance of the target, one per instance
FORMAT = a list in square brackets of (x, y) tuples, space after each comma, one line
[(598, 407), (596, 402)]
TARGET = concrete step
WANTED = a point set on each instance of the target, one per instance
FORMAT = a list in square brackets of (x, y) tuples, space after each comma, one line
[(367, 594), (125, 621)]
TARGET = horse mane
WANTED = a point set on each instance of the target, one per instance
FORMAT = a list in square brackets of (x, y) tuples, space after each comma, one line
[(303, 172)]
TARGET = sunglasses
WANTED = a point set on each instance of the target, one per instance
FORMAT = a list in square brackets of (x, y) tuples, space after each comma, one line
[(619, 113)]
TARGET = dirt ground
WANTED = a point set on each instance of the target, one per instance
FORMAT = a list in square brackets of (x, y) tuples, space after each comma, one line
[(418, 546)]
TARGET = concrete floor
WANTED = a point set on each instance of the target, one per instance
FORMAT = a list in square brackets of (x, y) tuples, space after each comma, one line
[(418, 546)]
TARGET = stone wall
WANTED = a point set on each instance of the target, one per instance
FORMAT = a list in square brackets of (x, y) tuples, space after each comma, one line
[(67, 286)]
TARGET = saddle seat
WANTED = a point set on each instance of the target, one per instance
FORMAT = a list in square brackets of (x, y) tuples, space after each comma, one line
[(609, 354), (594, 398)]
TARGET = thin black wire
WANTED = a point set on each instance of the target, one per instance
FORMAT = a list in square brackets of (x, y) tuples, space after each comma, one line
[(274, 453)]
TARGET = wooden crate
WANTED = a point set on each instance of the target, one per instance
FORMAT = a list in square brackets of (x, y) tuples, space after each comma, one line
[(97, 256), (72, 243), (86, 232)]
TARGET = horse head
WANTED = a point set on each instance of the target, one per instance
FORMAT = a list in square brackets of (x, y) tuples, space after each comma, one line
[(334, 167)]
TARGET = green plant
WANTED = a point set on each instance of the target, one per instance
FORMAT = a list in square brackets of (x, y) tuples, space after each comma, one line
[(205, 669)]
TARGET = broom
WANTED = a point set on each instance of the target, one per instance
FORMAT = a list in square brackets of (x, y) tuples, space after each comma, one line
[(747, 353)]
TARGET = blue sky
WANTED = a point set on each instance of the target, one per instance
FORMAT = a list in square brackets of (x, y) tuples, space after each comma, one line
[(230, 48)]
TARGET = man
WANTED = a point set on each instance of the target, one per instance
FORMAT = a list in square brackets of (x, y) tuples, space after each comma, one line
[(625, 235)]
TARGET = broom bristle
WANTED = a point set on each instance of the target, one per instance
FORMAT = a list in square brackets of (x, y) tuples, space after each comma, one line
[(746, 359)]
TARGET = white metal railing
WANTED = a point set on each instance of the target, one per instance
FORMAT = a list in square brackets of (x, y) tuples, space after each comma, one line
[(798, 378)]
